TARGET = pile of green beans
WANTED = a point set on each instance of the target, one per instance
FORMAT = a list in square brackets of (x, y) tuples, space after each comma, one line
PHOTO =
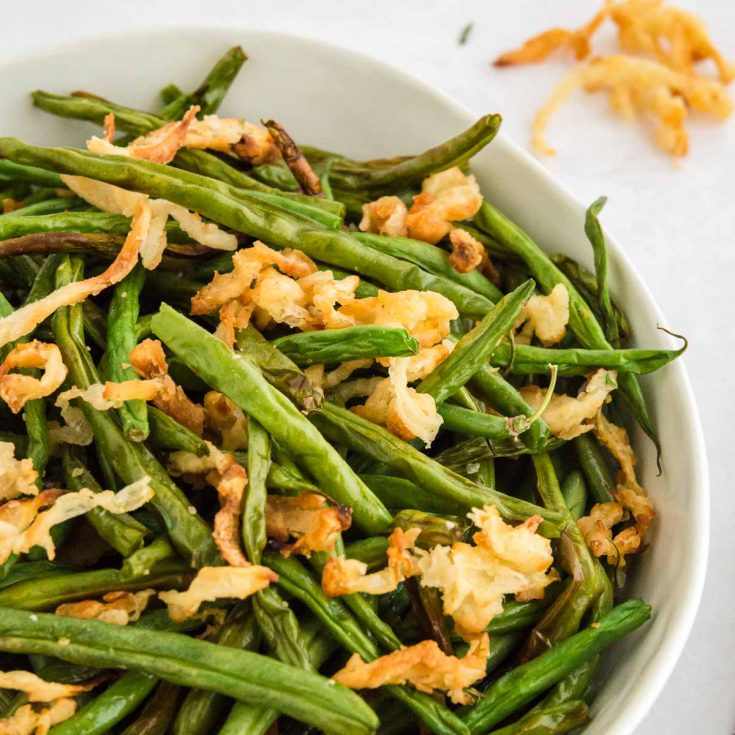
[(247, 666)]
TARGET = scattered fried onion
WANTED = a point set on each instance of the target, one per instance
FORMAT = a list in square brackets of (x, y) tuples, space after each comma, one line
[(227, 135), (309, 519), (22, 526), (567, 416), (28, 317), (159, 145), (546, 317), (426, 315), (423, 665), (149, 362), (118, 608), (343, 576), (674, 37), (17, 476), (640, 85), (597, 531), (215, 583), (29, 720), (11, 205), (467, 252), (474, 579), (402, 410), (386, 216), (113, 199), (540, 47), (629, 492), (446, 197), (225, 417), (39, 690)]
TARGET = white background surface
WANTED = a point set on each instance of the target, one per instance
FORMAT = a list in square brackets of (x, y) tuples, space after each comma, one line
[(677, 222)]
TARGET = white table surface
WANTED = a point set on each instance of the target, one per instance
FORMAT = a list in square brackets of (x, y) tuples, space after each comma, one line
[(677, 222)]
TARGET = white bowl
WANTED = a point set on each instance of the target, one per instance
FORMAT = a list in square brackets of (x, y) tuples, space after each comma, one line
[(333, 98)]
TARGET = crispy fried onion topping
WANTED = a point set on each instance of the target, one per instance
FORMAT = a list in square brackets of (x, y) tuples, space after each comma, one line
[(640, 86), (248, 141), (118, 608), (17, 476), (423, 665), (597, 531), (39, 690), (675, 37), (545, 316), (402, 410), (215, 583), (386, 216), (227, 419), (149, 361), (309, 519), (567, 416), (24, 524), (223, 472), (474, 579), (76, 429), (28, 317), (446, 197), (629, 492), (16, 389), (343, 576), (30, 720), (467, 252), (113, 199), (540, 47)]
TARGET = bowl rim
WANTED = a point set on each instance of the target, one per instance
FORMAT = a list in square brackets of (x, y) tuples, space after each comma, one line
[(682, 618)]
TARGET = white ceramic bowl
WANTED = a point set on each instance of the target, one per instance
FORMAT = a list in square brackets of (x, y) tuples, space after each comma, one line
[(333, 98)]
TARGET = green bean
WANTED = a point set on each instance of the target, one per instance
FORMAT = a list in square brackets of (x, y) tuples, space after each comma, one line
[(256, 719), (581, 319), (596, 236), (121, 531), (158, 713), (297, 581), (370, 551), (242, 381), (122, 316), (278, 369), (361, 435), (19, 441), (398, 493), (525, 682), (48, 206), (505, 398), (596, 472), (529, 360), (202, 710), (548, 720), (586, 283), (131, 461), (436, 529), (168, 434), (574, 490), (33, 570), (474, 349), (403, 173), (253, 515), (521, 615), (30, 175), (248, 212), (431, 259), (179, 659), (50, 591), (120, 699), (280, 629), (211, 92), (352, 343), (66, 222)]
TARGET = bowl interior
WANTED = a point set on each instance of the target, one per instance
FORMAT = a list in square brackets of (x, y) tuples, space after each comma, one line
[(333, 98)]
